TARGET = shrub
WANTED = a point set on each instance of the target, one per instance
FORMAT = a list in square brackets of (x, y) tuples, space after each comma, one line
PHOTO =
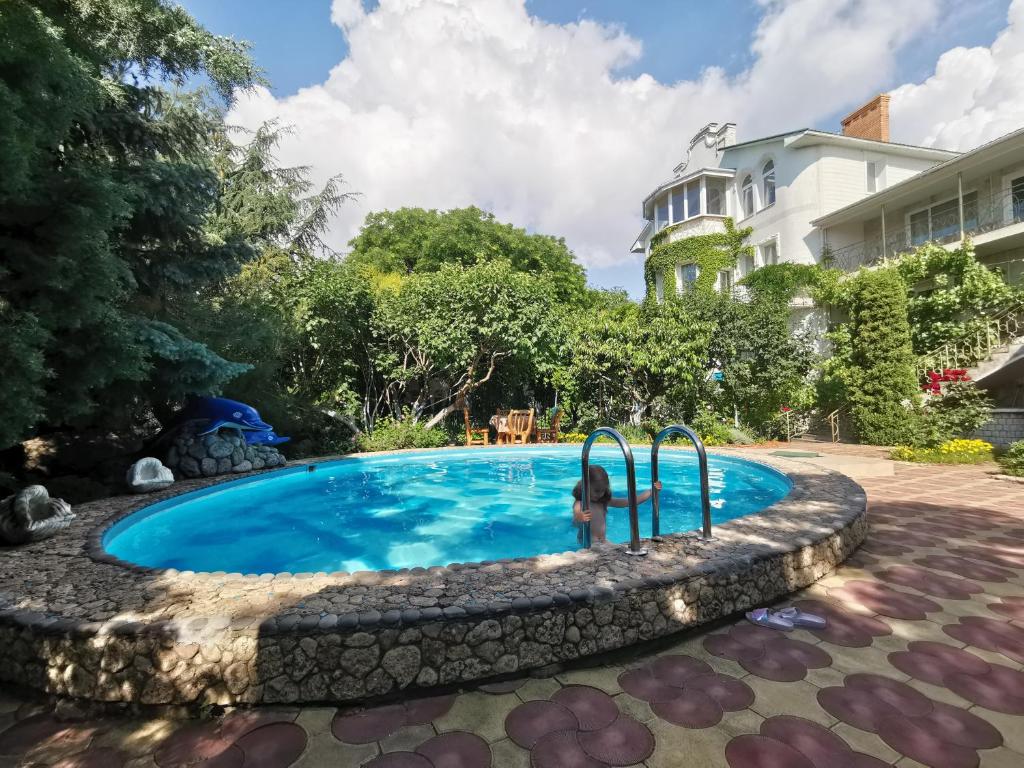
[(393, 434), (959, 411), (883, 386), (711, 429), (950, 452), (1012, 461)]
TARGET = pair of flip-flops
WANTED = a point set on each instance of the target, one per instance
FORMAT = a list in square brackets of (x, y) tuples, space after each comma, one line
[(785, 618)]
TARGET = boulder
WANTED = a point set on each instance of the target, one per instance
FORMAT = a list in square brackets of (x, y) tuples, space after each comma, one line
[(31, 515), (147, 475)]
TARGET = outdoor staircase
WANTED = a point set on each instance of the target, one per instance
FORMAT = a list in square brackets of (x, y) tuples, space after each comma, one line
[(999, 343)]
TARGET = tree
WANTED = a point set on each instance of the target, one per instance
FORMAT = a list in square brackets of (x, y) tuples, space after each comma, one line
[(413, 240), (628, 357), (443, 334), (883, 383), (105, 190)]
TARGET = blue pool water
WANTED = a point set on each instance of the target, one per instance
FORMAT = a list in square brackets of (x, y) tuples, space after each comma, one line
[(421, 509)]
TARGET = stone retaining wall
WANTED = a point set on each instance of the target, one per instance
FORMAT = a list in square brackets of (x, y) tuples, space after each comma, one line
[(1006, 426), (173, 640)]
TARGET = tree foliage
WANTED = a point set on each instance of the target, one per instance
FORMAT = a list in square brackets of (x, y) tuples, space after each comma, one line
[(950, 293), (883, 385), (412, 240), (105, 188)]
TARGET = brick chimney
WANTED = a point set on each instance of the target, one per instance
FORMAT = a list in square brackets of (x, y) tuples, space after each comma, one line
[(870, 121)]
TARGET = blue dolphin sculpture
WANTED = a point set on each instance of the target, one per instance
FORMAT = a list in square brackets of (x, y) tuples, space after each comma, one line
[(221, 412), (264, 437)]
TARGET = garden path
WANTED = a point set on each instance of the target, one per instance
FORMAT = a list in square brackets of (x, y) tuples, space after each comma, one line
[(922, 664)]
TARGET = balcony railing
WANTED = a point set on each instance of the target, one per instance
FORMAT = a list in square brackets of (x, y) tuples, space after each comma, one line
[(980, 216)]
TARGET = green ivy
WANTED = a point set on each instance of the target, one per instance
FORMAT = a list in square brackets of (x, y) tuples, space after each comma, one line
[(782, 282), (709, 253)]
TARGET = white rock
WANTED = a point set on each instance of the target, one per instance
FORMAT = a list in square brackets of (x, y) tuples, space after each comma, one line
[(31, 515), (147, 475)]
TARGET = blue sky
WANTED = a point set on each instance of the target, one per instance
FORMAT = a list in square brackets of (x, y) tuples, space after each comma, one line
[(297, 46)]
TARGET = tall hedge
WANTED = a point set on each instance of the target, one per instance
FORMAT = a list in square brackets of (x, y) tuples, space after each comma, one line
[(884, 384)]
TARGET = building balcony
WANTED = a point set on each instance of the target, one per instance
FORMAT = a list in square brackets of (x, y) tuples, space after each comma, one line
[(703, 224), (986, 220)]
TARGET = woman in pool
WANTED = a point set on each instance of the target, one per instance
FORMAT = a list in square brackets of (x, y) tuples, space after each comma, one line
[(600, 499)]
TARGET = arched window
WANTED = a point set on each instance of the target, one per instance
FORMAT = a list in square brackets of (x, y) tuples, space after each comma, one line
[(748, 196), (768, 175)]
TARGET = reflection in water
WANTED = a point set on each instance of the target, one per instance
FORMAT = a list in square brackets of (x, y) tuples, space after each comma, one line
[(421, 509)]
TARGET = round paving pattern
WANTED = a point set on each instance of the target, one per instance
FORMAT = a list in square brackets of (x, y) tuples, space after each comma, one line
[(930, 582), (379, 722), (685, 691), (767, 653), (787, 741), (580, 726), (844, 628), (961, 566), (884, 600), (989, 635), (931, 732)]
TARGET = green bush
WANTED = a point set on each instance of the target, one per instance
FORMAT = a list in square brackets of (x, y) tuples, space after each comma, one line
[(1012, 461), (394, 434), (958, 412), (950, 452), (711, 429), (883, 385)]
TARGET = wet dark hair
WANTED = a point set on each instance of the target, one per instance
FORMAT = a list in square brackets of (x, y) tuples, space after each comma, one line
[(600, 485)]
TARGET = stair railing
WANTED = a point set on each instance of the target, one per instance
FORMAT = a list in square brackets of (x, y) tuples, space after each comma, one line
[(634, 547), (1000, 330), (702, 465)]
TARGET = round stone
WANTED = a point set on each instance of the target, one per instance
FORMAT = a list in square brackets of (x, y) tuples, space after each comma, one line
[(423, 710), (642, 684), (731, 694), (925, 745), (960, 727), (858, 707), (529, 722), (900, 696), (802, 653), (676, 670), (191, 743), (885, 600), (593, 708), (273, 746), (369, 725), (1001, 689), (755, 751), (780, 668), (456, 749), (729, 647), (818, 744), (969, 569), (693, 709), (626, 741), (561, 750)]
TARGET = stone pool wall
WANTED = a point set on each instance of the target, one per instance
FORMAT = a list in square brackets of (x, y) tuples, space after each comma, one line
[(77, 622)]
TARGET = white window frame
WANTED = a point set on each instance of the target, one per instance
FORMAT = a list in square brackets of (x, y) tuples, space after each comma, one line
[(729, 275), (936, 204), (764, 184), (744, 186), (761, 251), (1008, 180)]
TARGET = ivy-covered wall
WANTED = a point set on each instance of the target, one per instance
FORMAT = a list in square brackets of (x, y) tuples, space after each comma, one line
[(710, 253)]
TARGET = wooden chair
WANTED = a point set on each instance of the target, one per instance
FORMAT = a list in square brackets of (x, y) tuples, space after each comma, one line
[(550, 434), (520, 426), (475, 435)]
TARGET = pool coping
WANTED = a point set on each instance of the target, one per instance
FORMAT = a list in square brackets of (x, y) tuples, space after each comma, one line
[(786, 546)]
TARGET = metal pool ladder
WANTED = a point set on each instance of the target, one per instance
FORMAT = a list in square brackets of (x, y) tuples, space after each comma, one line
[(702, 465), (634, 547)]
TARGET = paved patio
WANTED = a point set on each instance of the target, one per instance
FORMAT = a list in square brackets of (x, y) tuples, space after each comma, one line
[(922, 663)]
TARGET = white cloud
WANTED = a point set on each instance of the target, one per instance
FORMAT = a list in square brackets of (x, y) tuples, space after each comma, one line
[(974, 96), (442, 103)]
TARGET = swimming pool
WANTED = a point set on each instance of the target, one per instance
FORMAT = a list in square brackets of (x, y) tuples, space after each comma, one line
[(421, 509)]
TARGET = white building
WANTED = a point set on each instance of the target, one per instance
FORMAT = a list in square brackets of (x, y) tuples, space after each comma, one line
[(854, 198)]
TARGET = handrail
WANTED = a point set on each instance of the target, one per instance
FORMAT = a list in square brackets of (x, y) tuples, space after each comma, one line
[(1002, 327), (634, 516), (702, 464)]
